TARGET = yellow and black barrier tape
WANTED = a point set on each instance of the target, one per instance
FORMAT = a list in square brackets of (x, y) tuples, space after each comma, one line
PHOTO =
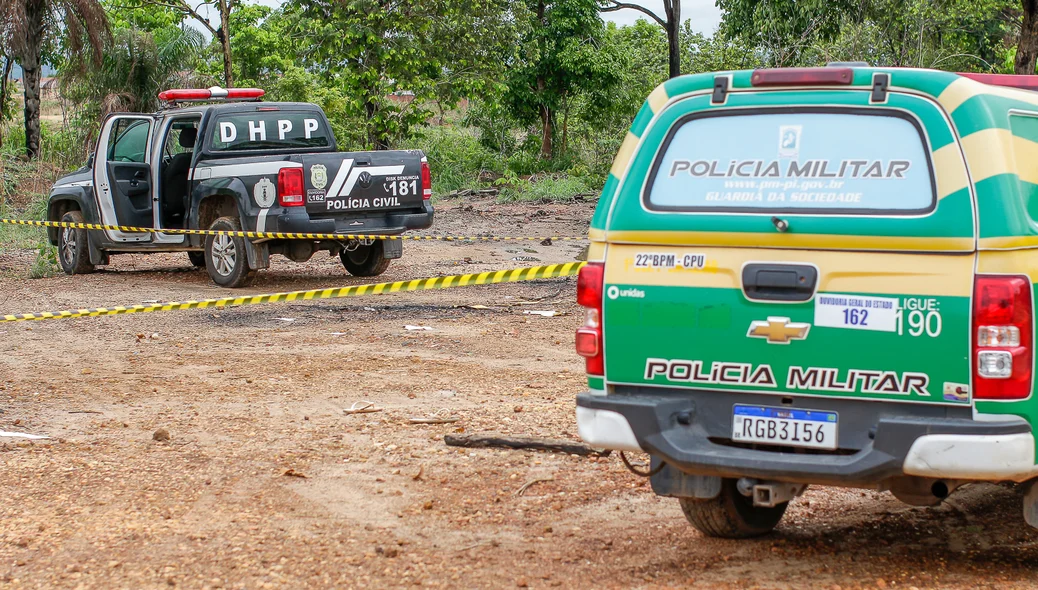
[(260, 235), (484, 278)]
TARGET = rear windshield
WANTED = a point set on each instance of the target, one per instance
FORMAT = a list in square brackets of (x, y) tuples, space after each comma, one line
[(269, 130), (801, 162)]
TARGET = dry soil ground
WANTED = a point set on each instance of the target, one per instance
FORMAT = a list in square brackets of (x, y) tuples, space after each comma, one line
[(266, 482)]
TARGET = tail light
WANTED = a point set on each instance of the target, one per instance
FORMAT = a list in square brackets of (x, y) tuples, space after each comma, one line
[(1004, 326), (589, 336), (290, 187), (426, 181)]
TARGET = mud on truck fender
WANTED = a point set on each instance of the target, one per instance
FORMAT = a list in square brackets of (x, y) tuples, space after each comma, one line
[(209, 203), (76, 198)]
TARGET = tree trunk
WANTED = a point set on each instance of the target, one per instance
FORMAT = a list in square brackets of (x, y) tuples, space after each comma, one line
[(28, 56), (225, 40), (546, 131), (1027, 50), (673, 10), (31, 80), (8, 64)]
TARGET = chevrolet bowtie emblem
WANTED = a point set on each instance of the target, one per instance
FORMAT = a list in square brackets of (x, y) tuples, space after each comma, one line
[(778, 330)]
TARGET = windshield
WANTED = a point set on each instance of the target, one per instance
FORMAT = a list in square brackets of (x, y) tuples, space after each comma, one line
[(819, 162), (269, 130)]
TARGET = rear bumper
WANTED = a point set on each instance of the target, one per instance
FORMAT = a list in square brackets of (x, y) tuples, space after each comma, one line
[(376, 223), (670, 427)]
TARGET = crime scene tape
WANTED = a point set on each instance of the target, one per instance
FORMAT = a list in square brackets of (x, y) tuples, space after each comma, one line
[(484, 278), (256, 235)]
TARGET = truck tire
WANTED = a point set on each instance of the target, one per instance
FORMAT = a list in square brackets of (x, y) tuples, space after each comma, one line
[(73, 247), (197, 259), (731, 515), (225, 256), (365, 261)]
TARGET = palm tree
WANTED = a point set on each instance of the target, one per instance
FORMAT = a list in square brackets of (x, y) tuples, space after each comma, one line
[(137, 65), (26, 25)]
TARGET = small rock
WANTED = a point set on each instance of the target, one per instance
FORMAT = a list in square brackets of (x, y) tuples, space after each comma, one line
[(428, 505), (881, 583), (161, 435), (522, 583), (517, 409), (391, 552)]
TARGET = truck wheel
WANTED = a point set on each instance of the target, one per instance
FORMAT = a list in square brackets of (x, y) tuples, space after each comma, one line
[(73, 248), (731, 515), (225, 257), (197, 259), (366, 261)]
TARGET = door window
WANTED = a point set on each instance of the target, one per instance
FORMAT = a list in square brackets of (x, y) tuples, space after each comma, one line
[(128, 141)]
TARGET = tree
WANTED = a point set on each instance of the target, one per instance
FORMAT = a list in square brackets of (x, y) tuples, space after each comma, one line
[(29, 25), (671, 25), (136, 67), (5, 98), (1027, 50), (784, 29), (387, 57), (559, 57), (221, 33)]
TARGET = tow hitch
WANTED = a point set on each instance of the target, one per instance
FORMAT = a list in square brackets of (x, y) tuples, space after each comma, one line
[(769, 493)]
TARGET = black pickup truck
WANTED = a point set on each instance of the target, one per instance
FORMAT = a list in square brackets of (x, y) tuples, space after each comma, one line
[(235, 163)]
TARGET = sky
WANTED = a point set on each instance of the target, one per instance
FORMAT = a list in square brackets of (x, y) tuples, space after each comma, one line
[(704, 14)]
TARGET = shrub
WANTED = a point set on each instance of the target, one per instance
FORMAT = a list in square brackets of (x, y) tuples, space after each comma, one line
[(457, 159)]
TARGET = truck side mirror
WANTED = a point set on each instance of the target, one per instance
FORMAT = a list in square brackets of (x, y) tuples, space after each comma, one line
[(90, 161)]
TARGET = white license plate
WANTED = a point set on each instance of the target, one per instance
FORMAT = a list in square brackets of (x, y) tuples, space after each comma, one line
[(785, 426)]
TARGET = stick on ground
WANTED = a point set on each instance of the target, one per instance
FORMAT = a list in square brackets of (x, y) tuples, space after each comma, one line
[(522, 442)]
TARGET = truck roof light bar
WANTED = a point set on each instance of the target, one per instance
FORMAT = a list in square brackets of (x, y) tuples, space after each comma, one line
[(206, 94)]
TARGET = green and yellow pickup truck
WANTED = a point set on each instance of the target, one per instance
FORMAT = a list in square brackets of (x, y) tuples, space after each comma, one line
[(817, 276)]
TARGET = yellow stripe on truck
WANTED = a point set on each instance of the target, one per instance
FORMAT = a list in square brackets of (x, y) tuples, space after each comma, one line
[(839, 272), (785, 240)]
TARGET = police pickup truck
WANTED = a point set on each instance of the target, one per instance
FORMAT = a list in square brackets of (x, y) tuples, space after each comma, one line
[(818, 276), (235, 163)]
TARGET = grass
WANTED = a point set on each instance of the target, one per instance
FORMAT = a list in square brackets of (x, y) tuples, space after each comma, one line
[(547, 188), (23, 195)]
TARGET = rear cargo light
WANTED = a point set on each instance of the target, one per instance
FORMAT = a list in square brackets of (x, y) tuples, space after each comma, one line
[(1004, 327), (426, 181), (802, 77), (589, 336), (290, 187)]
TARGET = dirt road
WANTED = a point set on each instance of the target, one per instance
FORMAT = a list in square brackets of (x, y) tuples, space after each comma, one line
[(266, 482)]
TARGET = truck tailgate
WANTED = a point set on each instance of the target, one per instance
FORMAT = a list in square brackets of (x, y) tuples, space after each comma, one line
[(346, 183)]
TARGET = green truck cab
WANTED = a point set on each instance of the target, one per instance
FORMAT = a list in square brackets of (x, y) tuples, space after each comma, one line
[(817, 276)]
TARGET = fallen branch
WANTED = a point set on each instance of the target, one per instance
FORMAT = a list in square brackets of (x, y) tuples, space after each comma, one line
[(84, 412), (512, 442), (526, 486), (432, 420)]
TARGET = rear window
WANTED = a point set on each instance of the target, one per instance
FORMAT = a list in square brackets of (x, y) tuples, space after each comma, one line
[(269, 130), (795, 162)]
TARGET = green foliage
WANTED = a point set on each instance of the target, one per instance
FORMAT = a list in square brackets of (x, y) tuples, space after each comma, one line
[(562, 53), (45, 263), (960, 35), (457, 158), (388, 60)]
